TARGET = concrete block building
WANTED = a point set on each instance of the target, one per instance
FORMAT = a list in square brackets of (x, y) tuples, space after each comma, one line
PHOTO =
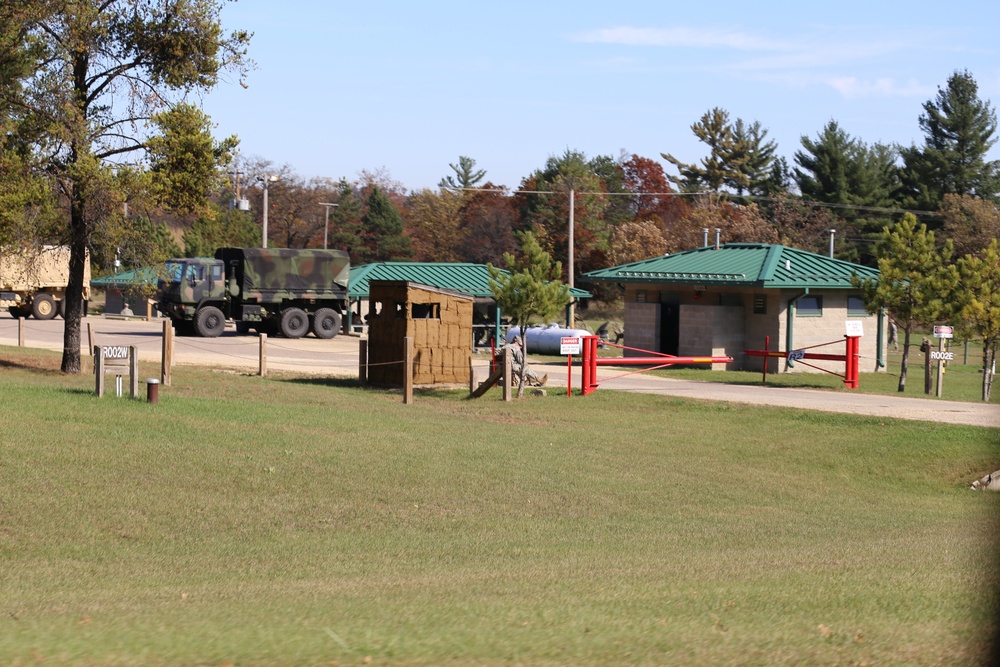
[(723, 300)]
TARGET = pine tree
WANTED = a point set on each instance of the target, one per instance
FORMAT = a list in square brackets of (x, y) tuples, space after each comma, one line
[(914, 280), (383, 231), (531, 288), (466, 175), (959, 130), (978, 297), (725, 163), (758, 171)]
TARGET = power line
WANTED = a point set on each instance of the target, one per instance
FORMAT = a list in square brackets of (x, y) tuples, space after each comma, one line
[(761, 198)]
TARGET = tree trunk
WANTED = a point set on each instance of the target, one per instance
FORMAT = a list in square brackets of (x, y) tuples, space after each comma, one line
[(523, 371), (906, 358), (74, 289), (989, 355)]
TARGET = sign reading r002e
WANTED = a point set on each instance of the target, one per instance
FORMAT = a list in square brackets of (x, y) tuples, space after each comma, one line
[(942, 356)]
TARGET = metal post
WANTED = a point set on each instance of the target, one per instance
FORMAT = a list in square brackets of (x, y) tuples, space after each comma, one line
[(571, 319), (264, 240), (940, 368)]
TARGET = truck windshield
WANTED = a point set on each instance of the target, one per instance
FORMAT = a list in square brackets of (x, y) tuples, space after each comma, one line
[(172, 272)]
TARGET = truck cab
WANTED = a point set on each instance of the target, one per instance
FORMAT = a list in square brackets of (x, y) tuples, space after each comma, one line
[(186, 285)]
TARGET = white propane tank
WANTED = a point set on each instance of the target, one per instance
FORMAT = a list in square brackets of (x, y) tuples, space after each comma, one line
[(545, 339)]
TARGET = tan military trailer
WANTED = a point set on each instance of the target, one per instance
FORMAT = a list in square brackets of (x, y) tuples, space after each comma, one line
[(270, 290), (33, 281)]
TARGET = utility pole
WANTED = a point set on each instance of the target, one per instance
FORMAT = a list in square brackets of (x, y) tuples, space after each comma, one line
[(326, 222)]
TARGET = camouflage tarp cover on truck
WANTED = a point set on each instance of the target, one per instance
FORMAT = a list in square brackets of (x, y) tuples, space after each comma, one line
[(265, 274)]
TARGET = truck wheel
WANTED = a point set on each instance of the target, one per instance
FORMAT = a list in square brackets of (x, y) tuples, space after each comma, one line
[(43, 307), (61, 308), (294, 323), (209, 322), (326, 323), (17, 312)]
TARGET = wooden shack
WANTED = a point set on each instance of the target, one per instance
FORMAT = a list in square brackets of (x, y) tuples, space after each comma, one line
[(438, 320)]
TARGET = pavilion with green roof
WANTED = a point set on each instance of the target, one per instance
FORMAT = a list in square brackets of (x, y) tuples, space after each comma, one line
[(722, 300)]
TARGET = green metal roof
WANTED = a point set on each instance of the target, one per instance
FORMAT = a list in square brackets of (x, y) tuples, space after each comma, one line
[(145, 276), (471, 279), (739, 264)]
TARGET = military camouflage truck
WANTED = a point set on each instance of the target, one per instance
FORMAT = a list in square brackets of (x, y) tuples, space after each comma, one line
[(271, 290)]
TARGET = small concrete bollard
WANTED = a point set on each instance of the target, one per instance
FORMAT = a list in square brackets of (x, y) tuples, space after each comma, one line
[(152, 391)]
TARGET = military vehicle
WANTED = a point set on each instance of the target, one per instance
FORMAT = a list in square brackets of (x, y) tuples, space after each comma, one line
[(33, 282), (270, 290)]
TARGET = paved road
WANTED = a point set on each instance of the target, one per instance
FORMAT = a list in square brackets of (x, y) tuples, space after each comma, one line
[(340, 357)]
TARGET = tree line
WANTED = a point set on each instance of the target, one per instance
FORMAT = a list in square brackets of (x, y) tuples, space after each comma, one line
[(629, 207)]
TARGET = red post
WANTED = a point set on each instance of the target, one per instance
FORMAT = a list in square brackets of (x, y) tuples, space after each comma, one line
[(589, 364), (853, 355), (767, 348), (569, 375)]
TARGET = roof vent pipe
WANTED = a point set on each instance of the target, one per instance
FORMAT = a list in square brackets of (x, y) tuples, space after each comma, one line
[(718, 233), (704, 230), (833, 234)]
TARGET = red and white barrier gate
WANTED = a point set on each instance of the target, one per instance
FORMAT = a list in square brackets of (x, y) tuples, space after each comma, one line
[(851, 358), (656, 360)]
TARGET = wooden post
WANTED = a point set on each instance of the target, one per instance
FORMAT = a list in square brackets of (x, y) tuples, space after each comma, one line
[(167, 353), (262, 364), (98, 371), (472, 378), (507, 366), (133, 371), (90, 336), (363, 362), (408, 370), (925, 347), (20, 332)]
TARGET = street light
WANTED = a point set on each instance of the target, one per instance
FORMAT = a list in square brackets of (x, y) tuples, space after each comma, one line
[(326, 224), (266, 180)]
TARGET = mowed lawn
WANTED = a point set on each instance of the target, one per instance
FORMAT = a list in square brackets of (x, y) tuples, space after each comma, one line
[(292, 521)]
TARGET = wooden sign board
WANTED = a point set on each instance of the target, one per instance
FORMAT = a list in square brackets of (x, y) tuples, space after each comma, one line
[(119, 361)]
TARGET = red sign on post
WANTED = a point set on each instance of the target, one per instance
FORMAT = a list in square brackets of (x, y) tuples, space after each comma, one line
[(944, 331), (569, 345)]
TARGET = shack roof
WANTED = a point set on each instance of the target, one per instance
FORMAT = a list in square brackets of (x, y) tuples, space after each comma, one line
[(465, 278), (740, 264)]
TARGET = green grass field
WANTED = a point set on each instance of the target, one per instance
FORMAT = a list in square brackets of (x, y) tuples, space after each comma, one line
[(301, 521)]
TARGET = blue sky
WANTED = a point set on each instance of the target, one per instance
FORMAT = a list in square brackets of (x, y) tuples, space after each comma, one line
[(410, 86)]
